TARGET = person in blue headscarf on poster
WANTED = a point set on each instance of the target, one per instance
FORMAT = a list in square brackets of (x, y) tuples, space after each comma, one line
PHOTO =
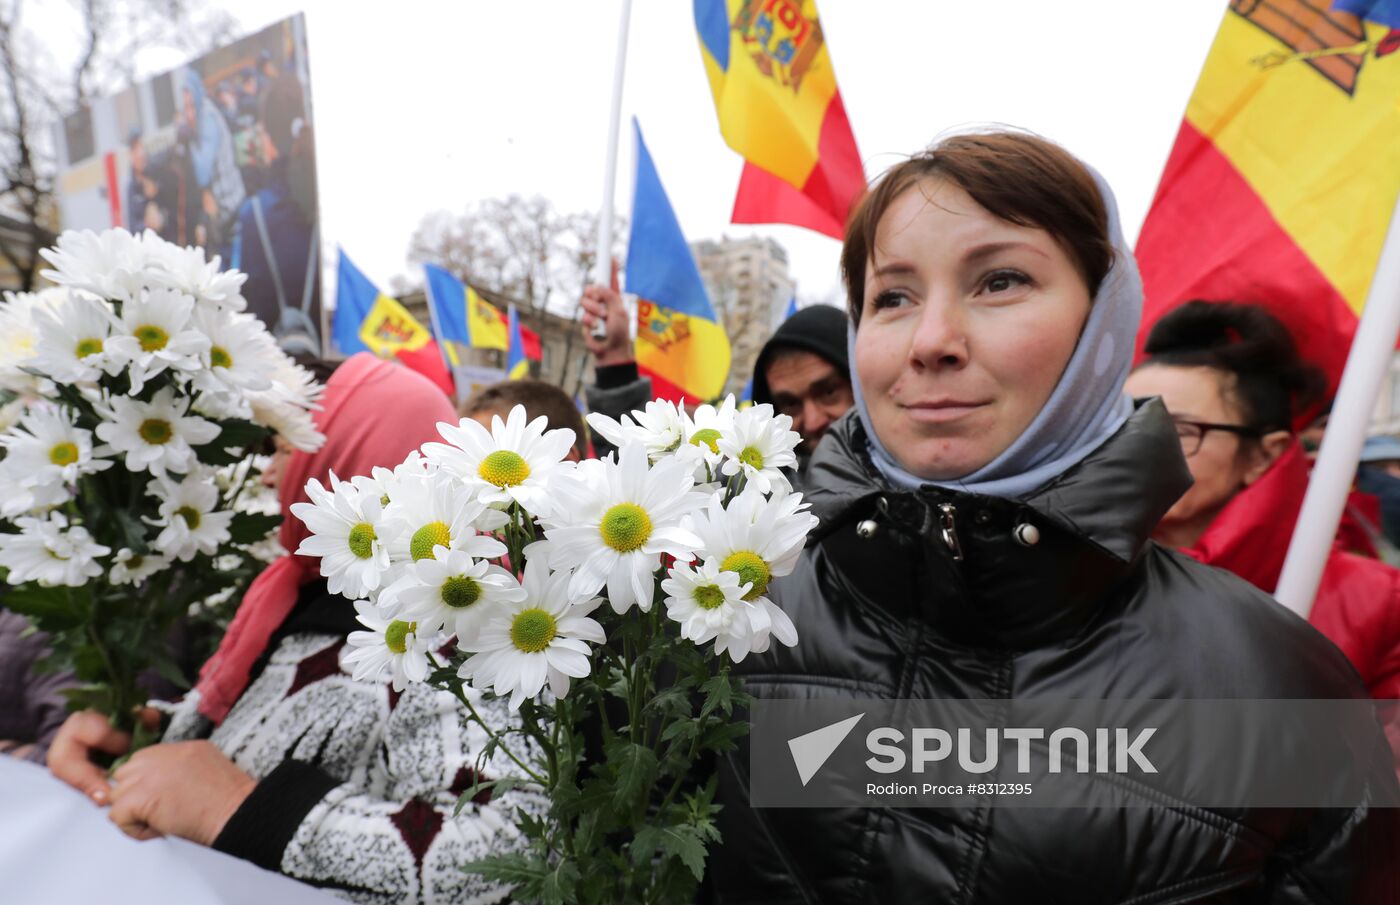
[(209, 145), (275, 236)]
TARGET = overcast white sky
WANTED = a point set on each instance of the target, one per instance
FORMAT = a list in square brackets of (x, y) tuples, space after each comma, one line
[(428, 105)]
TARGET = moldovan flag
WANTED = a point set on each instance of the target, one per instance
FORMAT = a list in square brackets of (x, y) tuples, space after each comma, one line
[(517, 365), (462, 315), (778, 105), (1285, 171), (367, 319), (680, 343)]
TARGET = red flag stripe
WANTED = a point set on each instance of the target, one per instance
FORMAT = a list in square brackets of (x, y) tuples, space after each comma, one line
[(1209, 236)]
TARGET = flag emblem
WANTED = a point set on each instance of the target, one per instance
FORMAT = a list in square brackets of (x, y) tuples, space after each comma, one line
[(782, 41), (661, 327)]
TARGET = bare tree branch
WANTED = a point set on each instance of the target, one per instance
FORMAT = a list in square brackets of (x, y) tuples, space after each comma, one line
[(39, 91)]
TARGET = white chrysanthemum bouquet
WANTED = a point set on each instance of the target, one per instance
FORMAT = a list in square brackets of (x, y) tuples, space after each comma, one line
[(605, 599), (137, 396)]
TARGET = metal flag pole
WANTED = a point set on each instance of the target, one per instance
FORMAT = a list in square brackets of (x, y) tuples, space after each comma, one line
[(1332, 475), (602, 261)]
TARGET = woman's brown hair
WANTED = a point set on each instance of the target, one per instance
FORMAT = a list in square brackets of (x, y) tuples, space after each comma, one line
[(1021, 178)]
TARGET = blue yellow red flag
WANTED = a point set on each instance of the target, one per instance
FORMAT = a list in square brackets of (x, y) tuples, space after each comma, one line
[(517, 365), (775, 93), (354, 297), (1285, 171), (680, 341), (462, 315), (389, 329), (367, 319)]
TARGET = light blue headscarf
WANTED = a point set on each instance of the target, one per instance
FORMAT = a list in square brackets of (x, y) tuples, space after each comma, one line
[(1087, 407)]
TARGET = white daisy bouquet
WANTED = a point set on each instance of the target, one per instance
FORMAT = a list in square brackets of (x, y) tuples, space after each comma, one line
[(137, 394), (606, 599)]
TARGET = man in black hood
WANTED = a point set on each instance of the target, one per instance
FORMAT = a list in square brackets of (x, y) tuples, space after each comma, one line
[(802, 371)]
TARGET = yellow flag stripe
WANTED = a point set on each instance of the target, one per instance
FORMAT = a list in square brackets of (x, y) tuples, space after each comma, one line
[(1326, 164)]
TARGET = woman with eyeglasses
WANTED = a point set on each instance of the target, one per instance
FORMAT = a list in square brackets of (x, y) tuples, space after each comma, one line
[(1234, 383)]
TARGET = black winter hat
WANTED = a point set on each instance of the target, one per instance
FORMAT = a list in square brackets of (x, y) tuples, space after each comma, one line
[(819, 329)]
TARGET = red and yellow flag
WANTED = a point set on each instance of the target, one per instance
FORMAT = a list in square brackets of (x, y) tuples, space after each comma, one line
[(1284, 174), (775, 92)]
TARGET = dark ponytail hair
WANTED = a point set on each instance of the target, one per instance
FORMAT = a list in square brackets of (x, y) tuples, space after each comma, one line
[(1271, 383)]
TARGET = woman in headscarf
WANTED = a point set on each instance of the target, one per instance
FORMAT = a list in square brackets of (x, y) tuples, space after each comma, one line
[(985, 521), (279, 755), (1235, 385)]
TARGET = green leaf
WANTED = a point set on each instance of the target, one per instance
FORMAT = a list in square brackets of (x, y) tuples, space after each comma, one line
[(722, 736), (561, 884), (52, 609), (673, 702), (132, 530), (681, 842), (165, 667), (643, 845), (718, 695), (635, 766), (684, 729), (88, 664), (526, 873), (251, 527), (236, 439)]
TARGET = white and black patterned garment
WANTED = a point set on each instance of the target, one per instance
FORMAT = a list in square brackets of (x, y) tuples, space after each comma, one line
[(357, 783)]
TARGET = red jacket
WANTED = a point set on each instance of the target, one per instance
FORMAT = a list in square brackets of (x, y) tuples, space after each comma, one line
[(1358, 601)]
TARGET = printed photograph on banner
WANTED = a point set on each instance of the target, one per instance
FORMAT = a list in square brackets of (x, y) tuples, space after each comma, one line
[(218, 153)]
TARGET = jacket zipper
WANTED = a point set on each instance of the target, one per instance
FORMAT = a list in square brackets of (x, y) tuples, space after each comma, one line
[(948, 528)]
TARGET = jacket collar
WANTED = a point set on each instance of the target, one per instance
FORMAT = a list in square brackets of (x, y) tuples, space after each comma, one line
[(988, 586), (1250, 535)]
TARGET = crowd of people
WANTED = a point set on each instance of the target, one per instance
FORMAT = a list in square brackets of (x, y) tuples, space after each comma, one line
[(239, 181), (1008, 508)]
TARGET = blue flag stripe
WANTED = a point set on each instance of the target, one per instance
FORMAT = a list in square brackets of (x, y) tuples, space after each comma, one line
[(660, 267)]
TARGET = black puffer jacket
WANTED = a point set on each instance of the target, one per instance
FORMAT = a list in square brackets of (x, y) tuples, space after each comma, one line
[(1093, 610)]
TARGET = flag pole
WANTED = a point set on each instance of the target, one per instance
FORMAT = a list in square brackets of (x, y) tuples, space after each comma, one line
[(1371, 352), (602, 261)]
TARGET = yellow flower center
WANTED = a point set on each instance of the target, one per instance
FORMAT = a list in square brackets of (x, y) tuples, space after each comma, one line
[(752, 570), (219, 357), (151, 337), (155, 431), (752, 456), (361, 540), (433, 534), (64, 454), (503, 468), (706, 437), (625, 527), (88, 347), (190, 515), (460, 592), (709, 597), (396, 635), (532, 630), (135, 562)]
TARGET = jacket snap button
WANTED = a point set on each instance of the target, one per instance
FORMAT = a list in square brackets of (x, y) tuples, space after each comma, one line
[(867, 528), (1027, 535), (982, 517)]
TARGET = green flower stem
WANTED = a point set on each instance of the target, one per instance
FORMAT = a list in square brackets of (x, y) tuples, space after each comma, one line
[(690, 755), (734, 486), (499, 740)]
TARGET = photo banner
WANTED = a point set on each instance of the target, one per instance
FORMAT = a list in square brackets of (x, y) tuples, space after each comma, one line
[(218, 153)]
